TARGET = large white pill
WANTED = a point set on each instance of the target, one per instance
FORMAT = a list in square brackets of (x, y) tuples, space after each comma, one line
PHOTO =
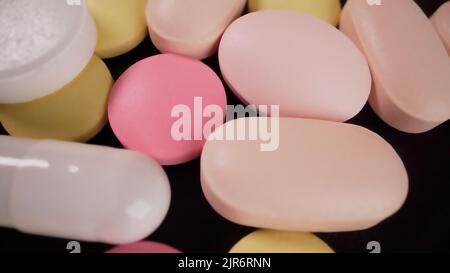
[(79, 191)]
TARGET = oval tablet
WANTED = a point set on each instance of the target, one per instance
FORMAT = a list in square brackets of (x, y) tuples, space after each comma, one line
[(323, 176), (190, 27), (272, 241), (143, 247), (77, 112), (409, 64), (296, 61), (121, 25), (327, 10), (441, 22), (157, 107), (82, 192), (44, 44)]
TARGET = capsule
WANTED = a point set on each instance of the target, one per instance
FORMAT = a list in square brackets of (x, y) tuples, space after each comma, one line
[(78, 191)]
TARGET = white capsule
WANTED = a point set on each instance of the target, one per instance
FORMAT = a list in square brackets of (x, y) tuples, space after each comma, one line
[(77, 191)]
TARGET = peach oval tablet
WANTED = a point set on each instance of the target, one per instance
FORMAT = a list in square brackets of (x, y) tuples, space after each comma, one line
[(441, 22), (190, 27), (121, 25), (144, 247), (327, 10), (409, 64), (150, 101), (272, 241), (322, 177), (296, 61), (76, 112)]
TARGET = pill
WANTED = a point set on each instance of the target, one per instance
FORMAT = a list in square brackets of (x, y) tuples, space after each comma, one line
[(272, 241), (44, 45), (327, 10), (441, 22), (144, 247), (79, 191), (409, 64), (76, 112), (190, 27), (321, 177), (121, 25), (157, 107), (296, 61)]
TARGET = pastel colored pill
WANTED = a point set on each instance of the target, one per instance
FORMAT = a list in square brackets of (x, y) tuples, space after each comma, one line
[(323, 176), (441, 22), (81, 192), (296, 61), (121, 25), (44, 45), (144, 247), (327, 10), (152, 98), (410, 66), (76, 112), (271, 241), (190, 27)]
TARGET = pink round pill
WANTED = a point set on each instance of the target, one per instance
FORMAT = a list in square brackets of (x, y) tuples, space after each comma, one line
[(159, 106), (144, 247)]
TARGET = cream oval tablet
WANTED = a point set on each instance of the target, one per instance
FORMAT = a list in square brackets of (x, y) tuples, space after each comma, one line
[(44, 44), (321, 176), (273, 241), (296, 61), (121, 25), (409, 64), (190, 27), (441, 22), (82, 192), (327, 10)]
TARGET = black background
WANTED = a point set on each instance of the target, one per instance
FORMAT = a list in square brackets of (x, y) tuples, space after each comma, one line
[(422, 225)]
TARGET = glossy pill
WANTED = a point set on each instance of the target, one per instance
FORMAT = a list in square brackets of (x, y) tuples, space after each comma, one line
[(79, 191), (441, 22), (409, 64), (272, 241), (144, 247), (296, 61), (322, 177)]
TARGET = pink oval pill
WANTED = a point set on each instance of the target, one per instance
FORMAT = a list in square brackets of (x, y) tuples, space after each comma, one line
[(296, 61), (158, 107), (441, 22), (144, 247)]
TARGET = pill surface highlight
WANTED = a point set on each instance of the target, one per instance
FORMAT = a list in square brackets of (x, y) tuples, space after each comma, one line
[(324, 177), (145, 102), (76, 112), (272, 241), (409, 64), (441, 22), (296, 61), (121, 25), (78, 191), (144, 247), (190, 27), (327, 10)]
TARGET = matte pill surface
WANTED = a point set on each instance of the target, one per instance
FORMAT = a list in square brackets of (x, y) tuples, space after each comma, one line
[(143, 247), (272, 241), (121, 25), (142, 103), (81, 192), (441, 22), (409, 63), (77, 112), (324, 177), (190, 27), (296, 61), (327, 10)]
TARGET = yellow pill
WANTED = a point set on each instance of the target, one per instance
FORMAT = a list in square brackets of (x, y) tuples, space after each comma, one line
[(328, 10), (121, 25), (271, 241), (76, 112)]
